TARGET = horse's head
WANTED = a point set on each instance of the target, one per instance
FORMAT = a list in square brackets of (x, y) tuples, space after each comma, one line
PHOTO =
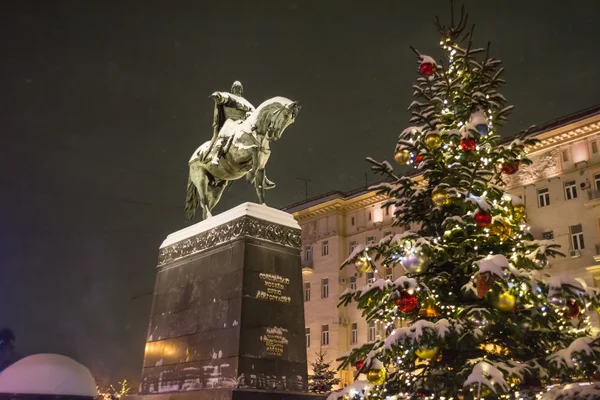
[(274, 115)]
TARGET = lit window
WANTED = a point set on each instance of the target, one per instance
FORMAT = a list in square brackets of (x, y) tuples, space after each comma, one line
[(306, 291), (307, 333), (565, 155), (570, 190), (325, 248), (388, 274), (370, 277), (354, 339), (370, 239), (543, 197), (308, 254), (353, 282), (353, 245), (372, 331), (324, 335), (577, 237), (324, 288), (594, 147)]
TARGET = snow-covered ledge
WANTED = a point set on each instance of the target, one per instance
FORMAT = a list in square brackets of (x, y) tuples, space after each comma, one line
[(262, 212)]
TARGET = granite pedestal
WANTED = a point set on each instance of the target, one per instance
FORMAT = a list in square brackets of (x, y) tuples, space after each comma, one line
[(227, 319)]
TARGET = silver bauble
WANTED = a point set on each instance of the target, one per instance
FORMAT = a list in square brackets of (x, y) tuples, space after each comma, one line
[(416, 263), (557, 301)]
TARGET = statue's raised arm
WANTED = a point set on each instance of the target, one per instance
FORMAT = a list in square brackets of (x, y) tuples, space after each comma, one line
[(240, 145)]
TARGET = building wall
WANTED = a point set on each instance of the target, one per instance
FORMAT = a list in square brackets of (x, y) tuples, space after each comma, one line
[(568, 152)]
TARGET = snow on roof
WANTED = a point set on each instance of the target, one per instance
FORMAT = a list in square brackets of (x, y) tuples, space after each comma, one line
[(51, 374)]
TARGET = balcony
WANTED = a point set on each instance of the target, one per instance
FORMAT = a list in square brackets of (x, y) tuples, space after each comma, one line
[(307, 266), (597, 255), (593, 199)]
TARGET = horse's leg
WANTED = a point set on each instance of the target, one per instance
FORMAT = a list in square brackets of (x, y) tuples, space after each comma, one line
[(259, 185), (200, 179), (216, 192)]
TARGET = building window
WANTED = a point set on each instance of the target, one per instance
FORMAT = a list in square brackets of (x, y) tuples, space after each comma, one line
[(388, 233), (577, 237), (370, 239), (388, 273), (325, 248), (308, 254), (543, 197), (387, 211), (372, 331), (352, 221), (565, 155), (570, 190), (307, 333), (353, 245), (369, 215), (324, 288), (370, 277), (597, 181), (353, 282), (324, 335), (594, 147), (306, 291), (354, 339)]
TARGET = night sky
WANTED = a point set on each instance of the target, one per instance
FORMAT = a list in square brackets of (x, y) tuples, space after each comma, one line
[(103, 102)]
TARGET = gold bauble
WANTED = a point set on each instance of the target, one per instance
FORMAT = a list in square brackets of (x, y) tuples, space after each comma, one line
[(427, 354), (429, 310), (506, 302), (520, 212), (433, 140), (376, 376), (440, 197), (402, 156), (502, 229), (362, 265)]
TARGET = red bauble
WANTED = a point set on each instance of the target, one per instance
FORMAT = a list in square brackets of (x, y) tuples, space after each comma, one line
[(407, 302), (482, 218), (427, 68), (573, 308), (422, 393), (509, 168), (419, 158), (468, 144), (359, 364)]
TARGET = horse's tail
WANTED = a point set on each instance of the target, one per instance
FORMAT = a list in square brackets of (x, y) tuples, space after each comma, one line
[(191, 200)]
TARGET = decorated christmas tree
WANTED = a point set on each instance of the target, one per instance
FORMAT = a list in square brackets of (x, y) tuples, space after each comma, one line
[(323, 378), (487, 319)]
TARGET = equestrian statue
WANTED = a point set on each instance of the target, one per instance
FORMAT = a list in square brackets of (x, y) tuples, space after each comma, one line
[(240, 145)]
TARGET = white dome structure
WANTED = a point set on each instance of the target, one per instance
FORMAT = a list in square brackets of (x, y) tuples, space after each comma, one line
[(48, 374)]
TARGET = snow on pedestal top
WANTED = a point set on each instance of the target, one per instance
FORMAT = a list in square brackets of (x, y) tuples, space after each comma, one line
[(50, 374), (258, 211)]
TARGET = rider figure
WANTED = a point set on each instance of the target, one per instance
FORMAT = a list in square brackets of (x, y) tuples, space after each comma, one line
[(227, 106)]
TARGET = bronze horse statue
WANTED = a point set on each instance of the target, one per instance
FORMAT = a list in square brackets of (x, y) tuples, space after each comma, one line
[(246, 153)]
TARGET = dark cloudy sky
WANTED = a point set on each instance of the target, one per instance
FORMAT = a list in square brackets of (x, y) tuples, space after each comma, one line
[(103, 102)]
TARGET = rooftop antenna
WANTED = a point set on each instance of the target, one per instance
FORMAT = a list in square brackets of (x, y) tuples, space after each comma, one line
[(305, 186)]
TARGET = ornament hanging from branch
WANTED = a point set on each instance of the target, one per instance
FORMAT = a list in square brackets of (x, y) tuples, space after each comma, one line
[(468, 144), (480, 122), (427, 66)]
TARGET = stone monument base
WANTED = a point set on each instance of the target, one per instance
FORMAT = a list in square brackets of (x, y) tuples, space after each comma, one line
[(227, 319), (228, 394)]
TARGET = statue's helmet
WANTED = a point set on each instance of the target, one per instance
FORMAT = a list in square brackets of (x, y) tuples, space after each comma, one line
[(237, 88)]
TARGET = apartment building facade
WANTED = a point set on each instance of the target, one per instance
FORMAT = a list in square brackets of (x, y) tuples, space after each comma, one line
[(561, 191)]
